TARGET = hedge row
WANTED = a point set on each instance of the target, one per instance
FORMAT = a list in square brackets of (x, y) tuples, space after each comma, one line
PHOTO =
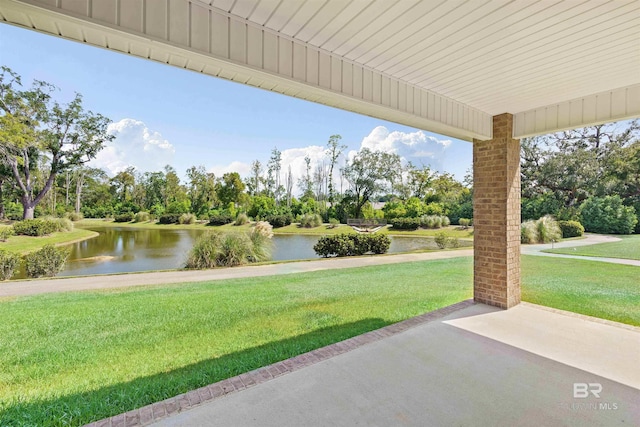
[(46, 262), (348, 244)]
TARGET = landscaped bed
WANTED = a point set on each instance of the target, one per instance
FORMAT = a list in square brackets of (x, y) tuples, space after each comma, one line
[(71, 358)]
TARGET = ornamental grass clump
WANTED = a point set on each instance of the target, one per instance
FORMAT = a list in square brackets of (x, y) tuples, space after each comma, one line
[(220, 249), (543, 230), (548, 230)]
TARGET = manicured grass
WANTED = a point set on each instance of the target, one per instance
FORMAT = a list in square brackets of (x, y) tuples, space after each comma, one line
[(68, 359), (26, 244), (627, 248), (599, 289), (71, 358)]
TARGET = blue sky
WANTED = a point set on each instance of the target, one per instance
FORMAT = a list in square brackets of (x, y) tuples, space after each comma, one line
[(163, 114)]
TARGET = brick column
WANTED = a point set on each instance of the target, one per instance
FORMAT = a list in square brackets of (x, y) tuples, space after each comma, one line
[(496, 216)]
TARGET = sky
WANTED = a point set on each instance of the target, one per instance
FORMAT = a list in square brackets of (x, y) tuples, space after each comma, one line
[(167, 115)]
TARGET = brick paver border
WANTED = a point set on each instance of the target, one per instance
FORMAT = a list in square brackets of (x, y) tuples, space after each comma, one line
[(148, 414)]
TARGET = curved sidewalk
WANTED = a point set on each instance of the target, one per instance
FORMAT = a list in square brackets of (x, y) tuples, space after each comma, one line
[(66, 284), (590, 239)]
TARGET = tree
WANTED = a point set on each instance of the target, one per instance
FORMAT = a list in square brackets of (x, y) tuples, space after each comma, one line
[(366, 175), (230, 189), (32, 125), (306, 182), (122, 184), (289, 187), (577, 164), (419, 181), (253, 183), (273, 174), (202, 190), (334, 151)]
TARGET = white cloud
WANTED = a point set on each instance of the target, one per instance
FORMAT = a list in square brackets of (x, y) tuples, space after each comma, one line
[(417, 147), (134, 145), (244, 169)]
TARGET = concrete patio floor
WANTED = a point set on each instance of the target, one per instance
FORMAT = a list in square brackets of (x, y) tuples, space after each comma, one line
[(465, 365)]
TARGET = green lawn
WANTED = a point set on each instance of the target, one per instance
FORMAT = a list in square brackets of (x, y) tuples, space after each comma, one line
[(77, 357), (71, 358), (26, 244), (627, 248)]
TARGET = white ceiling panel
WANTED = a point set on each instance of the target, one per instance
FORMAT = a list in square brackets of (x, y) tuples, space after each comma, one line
[(445, 65)]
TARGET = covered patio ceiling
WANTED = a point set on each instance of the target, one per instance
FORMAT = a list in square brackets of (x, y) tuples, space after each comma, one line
[(447, 66)]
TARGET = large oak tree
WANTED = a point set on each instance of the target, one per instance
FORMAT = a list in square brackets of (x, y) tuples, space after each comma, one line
[(34, 126)]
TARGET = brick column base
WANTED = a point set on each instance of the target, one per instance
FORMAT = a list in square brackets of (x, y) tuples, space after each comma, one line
[(496, 216)]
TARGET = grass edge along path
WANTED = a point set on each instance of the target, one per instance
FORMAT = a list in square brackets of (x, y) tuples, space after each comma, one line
[(71, 358), (626, 248)]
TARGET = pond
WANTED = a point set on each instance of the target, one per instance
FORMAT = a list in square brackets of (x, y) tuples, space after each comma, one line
[(123, 250)]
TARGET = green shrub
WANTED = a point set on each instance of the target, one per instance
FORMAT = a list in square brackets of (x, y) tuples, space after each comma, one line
[(47, 262), (349, 244), (607, 215), (9, 263), (452, 242), (142, 217), (311, 221), (187, 218), (63, 224), (124, 217), (74, 216), (5, 233), (280, 220), (379, 243), (170, 218), (571, 229), (333, 223), (241, 219), (441, 239), (405, 223), (464, 223), (220, 219), (35, 227)]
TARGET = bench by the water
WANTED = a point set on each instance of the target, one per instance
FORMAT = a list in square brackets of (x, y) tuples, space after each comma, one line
[(362, 225)]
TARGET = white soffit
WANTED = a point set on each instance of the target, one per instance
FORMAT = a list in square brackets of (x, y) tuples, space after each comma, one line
[(442, 65)]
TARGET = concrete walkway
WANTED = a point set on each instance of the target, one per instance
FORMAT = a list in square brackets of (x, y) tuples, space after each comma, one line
[(590, 239), (465, 365), (66, 284)]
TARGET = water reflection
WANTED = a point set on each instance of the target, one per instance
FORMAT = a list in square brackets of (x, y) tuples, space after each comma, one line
[(120, 249)]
